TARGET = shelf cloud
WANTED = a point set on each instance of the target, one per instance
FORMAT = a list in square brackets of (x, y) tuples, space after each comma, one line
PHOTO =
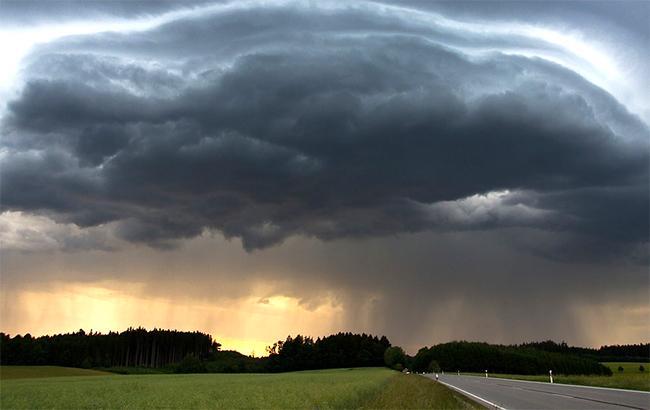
[(264, 122)]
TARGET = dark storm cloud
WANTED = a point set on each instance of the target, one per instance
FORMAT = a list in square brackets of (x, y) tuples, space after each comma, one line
[(268, 123)]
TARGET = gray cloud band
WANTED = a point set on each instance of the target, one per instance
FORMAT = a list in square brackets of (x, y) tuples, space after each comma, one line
[(267, 123)]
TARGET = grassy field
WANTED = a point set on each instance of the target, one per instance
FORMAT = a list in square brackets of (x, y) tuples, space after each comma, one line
[(630, 378), (325, 389), (30, 372), (629, 368), (416, 392)]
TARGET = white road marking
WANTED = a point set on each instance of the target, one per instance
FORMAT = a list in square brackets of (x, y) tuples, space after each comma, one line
[(496, 406)]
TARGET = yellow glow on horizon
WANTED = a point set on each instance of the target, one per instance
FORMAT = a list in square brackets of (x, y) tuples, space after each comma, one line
[(248, 324), (248, 347)]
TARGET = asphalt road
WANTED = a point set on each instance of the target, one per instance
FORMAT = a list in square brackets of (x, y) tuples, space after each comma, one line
[(516, 394)]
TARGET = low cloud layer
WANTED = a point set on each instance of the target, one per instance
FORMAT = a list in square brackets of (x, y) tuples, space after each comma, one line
[(417, 289)]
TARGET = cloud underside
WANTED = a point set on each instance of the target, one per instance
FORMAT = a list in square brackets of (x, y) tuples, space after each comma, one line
[(320, 124)]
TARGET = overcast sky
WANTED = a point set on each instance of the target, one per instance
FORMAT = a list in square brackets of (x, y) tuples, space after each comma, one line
[(427, 171)]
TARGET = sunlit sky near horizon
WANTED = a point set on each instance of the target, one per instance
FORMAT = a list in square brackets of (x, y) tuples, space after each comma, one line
[(428, 171)]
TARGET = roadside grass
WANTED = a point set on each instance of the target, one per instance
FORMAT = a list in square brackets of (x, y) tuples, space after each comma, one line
[(416, 392), (30, 372), (630, 378), (324, 389)]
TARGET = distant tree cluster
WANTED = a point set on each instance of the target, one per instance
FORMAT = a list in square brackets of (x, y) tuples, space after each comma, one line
[(395, 358), (230, 361), (477, 357), (624, 353), (339, 350), (615, 353), (133, 347)]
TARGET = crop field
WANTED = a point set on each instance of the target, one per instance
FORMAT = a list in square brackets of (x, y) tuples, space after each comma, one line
[(324, 389), (630, 378)]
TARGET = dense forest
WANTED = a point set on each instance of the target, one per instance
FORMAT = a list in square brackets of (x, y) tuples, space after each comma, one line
[(478, 357), (142, 351), (131, 348), (339, 350)]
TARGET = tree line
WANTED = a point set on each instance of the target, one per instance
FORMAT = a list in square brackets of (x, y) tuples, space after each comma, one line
[(523, 359), (135, 350), (131, 348), (141, 351), (639, 352)]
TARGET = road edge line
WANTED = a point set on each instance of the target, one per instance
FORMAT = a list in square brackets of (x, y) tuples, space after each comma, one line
[(496, 406)]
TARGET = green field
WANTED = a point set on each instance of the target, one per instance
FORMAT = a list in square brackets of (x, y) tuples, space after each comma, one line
[(417, 392), (338, 388), (630, 378)]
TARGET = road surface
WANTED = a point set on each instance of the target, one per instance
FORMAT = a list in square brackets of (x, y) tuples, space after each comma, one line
[(517, 394)]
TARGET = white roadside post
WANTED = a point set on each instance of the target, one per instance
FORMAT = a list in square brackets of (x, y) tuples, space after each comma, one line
[(486, 374), (550, 375)]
